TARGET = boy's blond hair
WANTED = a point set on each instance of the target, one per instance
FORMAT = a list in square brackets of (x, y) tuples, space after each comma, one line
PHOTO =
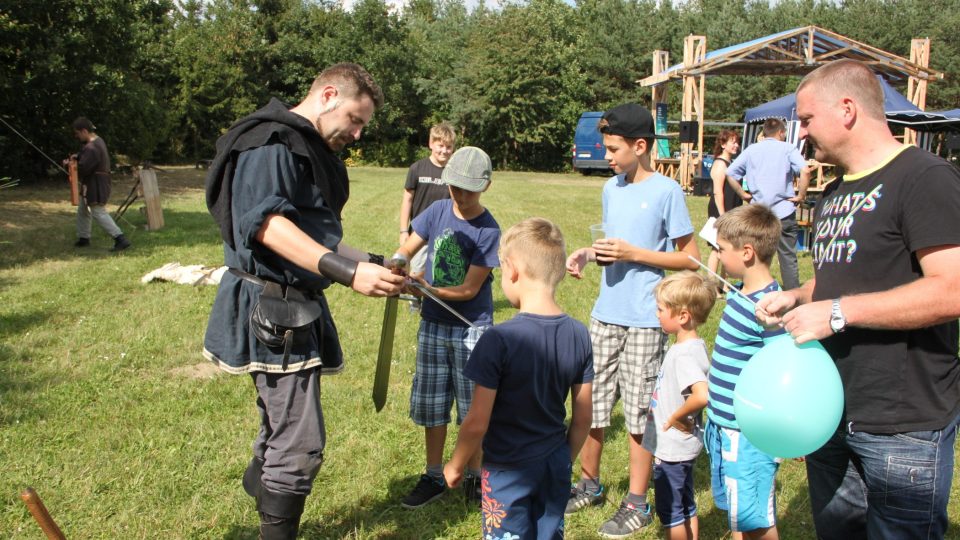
[(753, 224), (687, 290), (444, 133), (539, 245)]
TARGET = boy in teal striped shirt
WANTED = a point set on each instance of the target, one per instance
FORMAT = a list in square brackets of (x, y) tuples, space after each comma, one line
[(742, 476)]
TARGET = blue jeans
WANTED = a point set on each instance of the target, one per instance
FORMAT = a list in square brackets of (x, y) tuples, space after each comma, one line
[(865, 485), (787, 253)]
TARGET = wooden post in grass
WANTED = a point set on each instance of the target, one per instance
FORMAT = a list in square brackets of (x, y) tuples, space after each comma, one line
[(40, 514), (151, 195), (74, 180)]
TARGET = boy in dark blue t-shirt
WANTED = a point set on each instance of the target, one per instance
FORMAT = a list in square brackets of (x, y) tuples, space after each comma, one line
[(462, 238), (524, 369)]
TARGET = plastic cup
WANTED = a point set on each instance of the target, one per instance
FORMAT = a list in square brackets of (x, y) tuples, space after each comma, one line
[(597, 232)]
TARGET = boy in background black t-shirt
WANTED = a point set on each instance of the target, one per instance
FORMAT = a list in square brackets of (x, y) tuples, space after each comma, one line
[(424, 186), (524, 369)]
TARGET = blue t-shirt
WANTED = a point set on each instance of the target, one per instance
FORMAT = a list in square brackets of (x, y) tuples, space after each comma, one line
[(649, 214), (455, 245), (769, 167), (739, 337), (532, 361)]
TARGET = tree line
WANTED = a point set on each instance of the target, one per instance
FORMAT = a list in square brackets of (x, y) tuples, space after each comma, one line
[(162, 79)]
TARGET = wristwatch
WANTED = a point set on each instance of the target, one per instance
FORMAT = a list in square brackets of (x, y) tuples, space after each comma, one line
[(838, 322)]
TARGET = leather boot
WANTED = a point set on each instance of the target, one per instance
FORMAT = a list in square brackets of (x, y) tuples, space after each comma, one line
[(251, 476), (279, 514)]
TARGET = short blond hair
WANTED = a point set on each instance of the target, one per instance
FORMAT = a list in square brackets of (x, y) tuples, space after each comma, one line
[(687, 290), (539, 245), (753, 224), (444, 133), (847, 78)]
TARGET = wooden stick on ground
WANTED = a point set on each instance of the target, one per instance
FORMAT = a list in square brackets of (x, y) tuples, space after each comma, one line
[(40, 514)]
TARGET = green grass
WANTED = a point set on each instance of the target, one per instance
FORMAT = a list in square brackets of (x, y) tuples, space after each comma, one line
[(105, 408)]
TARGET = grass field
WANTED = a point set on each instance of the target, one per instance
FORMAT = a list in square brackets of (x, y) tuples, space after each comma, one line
[(109, 411)]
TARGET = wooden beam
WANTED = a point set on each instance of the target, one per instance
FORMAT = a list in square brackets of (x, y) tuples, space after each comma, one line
[(658, 94), (917, 88), (655, 80), (694, 52), (828, 54)]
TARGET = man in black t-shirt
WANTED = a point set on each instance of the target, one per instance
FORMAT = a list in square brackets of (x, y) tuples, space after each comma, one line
[(884, 303), (424, 187)]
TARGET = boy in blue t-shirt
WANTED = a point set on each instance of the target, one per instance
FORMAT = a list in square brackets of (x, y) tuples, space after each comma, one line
[(742, 476), (524, 369), (648, 230), (462, 237)]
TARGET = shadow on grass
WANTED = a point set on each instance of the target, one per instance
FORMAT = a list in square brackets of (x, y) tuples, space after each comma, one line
[(17, 391), (385, 514), (17, 323), (52, 238)]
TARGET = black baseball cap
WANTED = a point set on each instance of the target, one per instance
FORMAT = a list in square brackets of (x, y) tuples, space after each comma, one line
[(631, 121)]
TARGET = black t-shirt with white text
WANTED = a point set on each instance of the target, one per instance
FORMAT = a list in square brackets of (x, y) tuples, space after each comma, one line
[(423, 179), (894, 381)]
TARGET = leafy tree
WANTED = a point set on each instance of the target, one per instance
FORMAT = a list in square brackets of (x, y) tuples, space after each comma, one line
[(66, 58)]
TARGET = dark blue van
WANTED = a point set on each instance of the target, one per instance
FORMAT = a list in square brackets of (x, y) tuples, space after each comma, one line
[(588, 149)]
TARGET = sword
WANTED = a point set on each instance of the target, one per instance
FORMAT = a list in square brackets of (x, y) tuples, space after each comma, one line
[(381, 377), (443, 304)]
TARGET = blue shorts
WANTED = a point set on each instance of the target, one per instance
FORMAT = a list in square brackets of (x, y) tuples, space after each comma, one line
[(742, 478), (442, 353), (527, 501), (673, 482)]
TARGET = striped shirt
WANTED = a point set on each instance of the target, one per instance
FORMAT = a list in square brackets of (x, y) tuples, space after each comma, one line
[(739, 337)]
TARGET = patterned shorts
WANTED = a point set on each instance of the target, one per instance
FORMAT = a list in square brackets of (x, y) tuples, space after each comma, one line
[(626, 361), (528, 500), (442, 353)]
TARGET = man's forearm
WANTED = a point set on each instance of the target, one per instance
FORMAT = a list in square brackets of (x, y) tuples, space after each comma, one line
[(735, 184), (918, 304)]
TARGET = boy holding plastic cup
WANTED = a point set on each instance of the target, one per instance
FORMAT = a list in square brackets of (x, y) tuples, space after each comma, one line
[(644, 213)]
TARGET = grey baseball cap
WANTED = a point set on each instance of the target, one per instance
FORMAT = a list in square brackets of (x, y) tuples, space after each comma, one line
[(469, 168)]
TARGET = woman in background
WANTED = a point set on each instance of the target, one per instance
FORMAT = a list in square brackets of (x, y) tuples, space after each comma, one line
[(724, 197)]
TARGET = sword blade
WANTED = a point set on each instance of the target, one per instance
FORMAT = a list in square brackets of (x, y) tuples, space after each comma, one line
[(381, 378), (443, 304)]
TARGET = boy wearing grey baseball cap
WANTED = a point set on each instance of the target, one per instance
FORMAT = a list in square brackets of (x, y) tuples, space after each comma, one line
[(462, 239)]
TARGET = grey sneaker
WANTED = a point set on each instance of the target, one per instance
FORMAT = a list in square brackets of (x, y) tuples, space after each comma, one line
[(628, 520), (580, 497), (425, 492)]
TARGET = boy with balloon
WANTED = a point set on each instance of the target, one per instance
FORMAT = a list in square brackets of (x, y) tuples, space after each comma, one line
[(742, 475)]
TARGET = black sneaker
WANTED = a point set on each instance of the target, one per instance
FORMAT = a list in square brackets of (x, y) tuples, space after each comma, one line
[(82, 242), (473, 490), (580, 497), (628, 520), (120, 243), (427, 490)]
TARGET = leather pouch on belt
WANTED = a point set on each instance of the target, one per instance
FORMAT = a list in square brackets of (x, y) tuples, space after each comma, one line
[(283, 318)]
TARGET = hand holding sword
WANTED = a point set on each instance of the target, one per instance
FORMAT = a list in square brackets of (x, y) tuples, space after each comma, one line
[(414, 285)]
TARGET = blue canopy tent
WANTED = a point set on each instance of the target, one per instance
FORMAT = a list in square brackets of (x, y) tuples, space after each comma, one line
[(786, 107), (927, 121), (899, 110)]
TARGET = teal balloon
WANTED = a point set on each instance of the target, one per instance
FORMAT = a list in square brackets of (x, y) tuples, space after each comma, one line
[(789, 398)]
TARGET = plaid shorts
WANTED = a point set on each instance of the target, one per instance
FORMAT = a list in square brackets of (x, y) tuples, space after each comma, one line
[(626, 361), (442, 353)]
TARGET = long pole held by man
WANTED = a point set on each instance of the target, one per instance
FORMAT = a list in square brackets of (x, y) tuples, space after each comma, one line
[(276, 189), (884, 303)]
